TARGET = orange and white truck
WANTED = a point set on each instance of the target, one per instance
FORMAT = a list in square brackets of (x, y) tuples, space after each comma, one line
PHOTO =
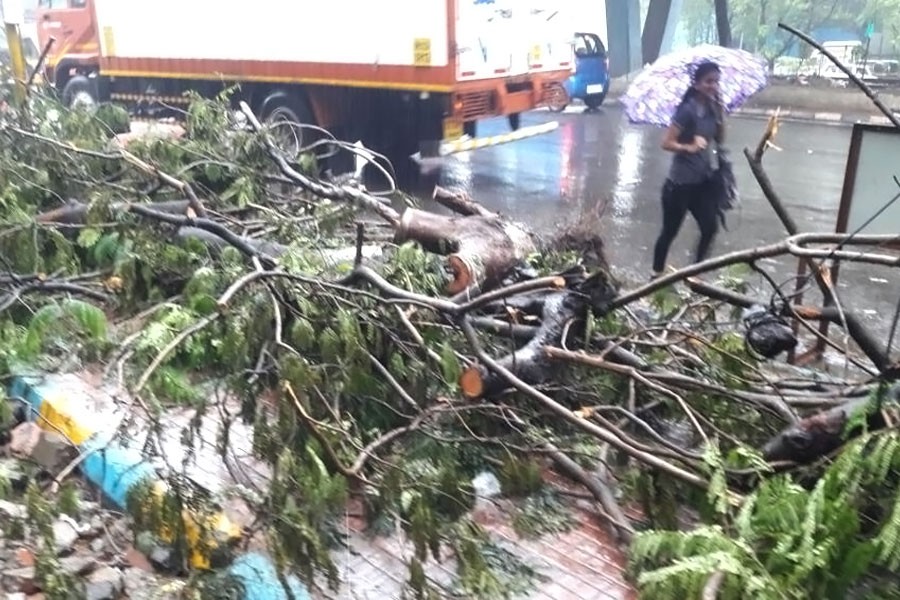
[(403, 76)]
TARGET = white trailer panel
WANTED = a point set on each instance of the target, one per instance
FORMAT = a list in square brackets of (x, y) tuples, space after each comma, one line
[(498, 38), (386, 32)]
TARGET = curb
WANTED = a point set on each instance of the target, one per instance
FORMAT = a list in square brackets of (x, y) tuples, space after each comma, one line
[(116, 469), (818, 117), (833, 118)]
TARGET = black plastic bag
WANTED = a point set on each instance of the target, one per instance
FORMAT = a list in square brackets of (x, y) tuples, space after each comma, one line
[(767, 333)]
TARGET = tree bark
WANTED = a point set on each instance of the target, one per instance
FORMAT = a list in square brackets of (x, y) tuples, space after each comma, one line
[(723, 25), (562, 317), (654, 29), (820, 434), (75, 212), (479, 249), (460, 203)]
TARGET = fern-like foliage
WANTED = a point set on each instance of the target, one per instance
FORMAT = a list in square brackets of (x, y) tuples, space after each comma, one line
[(787, 541)]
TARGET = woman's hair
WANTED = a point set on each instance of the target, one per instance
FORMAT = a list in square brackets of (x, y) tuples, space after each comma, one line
[(699, 72)]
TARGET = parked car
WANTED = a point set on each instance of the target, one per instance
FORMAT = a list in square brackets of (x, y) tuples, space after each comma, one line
[(590, 81)]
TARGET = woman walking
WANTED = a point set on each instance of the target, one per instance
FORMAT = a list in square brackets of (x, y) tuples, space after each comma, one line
[(698, 124)]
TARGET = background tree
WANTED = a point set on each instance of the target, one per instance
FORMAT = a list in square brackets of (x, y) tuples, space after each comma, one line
[(723, 25), (699, 26), (754, 23)]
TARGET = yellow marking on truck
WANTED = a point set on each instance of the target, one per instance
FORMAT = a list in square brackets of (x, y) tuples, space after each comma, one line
[(453, 129), (109, 41), (52, 60), (422, 52), (394, 85)]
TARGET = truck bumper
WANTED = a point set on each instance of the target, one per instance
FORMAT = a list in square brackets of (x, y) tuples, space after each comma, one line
[(465, 143)]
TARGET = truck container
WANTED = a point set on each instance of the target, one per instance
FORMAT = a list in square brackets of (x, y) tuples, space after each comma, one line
[(403, 76)]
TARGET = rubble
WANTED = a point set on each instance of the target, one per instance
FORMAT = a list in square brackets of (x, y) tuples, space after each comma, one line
[(105, 583), (24, 439), (65, 533), (52, 451)]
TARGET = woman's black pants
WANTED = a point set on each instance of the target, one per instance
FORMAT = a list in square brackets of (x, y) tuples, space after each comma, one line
[(677, 200)]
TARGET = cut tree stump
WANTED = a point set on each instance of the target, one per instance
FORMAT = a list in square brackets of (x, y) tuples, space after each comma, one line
[(479, 249)]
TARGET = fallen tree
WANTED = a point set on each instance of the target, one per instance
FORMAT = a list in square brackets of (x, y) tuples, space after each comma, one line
[(214, 261)]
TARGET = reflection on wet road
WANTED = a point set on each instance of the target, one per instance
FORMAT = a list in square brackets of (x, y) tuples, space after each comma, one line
[(599, 162)]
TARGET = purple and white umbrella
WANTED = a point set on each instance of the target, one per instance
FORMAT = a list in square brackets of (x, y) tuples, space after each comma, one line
[(657, 91)]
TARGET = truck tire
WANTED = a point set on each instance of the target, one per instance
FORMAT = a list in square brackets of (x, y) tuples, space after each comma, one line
[(284, 108), (515, 121), (593, 101), (80, 92)]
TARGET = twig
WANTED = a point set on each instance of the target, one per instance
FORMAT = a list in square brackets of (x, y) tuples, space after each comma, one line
[(411, 328), (393, 382), (598, 488), (572, 418), (847, 71), (40, 64), (330, 453), (170, 347), (777, 406), (181, 186), (759, 252), (67, 470), (711, 589), (552, 282), (369, 451), (50, 287), (323, 190)]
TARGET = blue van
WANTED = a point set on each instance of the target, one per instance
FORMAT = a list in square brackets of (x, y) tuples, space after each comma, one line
[(590, 81)]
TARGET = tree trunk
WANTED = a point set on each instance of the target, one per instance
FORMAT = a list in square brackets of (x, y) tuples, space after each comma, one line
[(562, 316), (479, 249), (654, 29), (820, 434), (722, 23)]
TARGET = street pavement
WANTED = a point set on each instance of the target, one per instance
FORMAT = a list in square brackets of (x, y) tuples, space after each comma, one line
[(596, 162)]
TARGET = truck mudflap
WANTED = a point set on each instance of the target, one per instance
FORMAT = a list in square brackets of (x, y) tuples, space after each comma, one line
[(464, 144)]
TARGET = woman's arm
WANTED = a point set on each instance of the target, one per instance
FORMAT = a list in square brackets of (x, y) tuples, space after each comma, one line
[(670, 141)]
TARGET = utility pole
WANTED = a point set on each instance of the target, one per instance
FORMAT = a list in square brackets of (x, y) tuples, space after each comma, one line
[(14, 17)]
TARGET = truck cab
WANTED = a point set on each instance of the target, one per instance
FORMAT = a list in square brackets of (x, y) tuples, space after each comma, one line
[(72, 63)]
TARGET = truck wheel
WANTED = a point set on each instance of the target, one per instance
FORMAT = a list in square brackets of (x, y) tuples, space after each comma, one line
[(515, 121), (282, 113), (80, 93), (594, 101)]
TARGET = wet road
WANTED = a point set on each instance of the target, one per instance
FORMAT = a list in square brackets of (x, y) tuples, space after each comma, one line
[(598, 163)]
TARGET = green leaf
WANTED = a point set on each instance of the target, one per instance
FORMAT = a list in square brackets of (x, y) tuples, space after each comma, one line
[(450, 364), (303, 336), (330, 346), (667, 300), (241, 192), (88, 317), (88, 237)]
